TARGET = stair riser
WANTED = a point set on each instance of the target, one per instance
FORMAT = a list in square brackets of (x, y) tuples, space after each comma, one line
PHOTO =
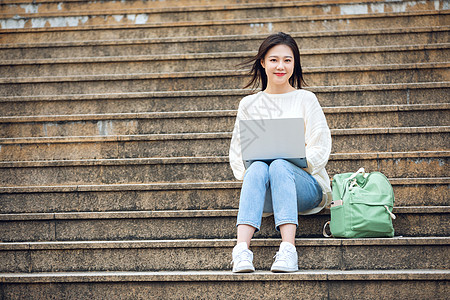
[(70, 175), (383, 142), (228, 29), (209, 64), (345, 7), (252, 289), (137, 200), (193, 228), (144, 16), (216, 45), (213, 82), (70, 6), (213, 124), (186, 259), (196, 103)]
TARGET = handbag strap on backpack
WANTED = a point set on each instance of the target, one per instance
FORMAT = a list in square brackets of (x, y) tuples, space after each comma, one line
[(324, 232), (360, 171)]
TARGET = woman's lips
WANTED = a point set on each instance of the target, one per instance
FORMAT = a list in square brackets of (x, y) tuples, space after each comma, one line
[(280, 74)]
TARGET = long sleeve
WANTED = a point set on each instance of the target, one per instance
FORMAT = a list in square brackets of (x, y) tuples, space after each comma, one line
[(317, 136), (235, 154)]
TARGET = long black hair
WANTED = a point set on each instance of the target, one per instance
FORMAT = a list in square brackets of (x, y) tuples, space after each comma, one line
[(257, 71)]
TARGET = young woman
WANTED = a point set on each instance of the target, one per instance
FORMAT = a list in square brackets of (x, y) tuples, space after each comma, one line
[(280, 187)]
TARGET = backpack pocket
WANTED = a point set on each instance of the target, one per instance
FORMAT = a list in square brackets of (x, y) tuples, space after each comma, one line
[(337, 224), (370, 218)]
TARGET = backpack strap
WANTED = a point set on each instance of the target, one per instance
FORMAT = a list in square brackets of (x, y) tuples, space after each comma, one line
[(360, 171)]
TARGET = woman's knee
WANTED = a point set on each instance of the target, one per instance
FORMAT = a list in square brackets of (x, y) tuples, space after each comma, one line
[(257, 170), (279, 167)]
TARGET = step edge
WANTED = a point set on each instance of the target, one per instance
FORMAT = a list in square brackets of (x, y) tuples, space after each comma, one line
[(194, 39), (230, 92), (210, 159), (314, 18), (221, 73), (175, 214), (220, 243), (213, 113), (207, 135), (182, 186), (195, 8), (223, 276), (218, 55)]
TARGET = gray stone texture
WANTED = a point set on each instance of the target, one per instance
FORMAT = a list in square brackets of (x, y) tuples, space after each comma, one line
[(231, 27), (115, 121), (412, 192), (201, 169), (147, 82), (188, 225), (210, 121)]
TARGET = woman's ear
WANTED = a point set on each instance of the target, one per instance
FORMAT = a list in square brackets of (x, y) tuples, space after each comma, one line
[(262, 63)]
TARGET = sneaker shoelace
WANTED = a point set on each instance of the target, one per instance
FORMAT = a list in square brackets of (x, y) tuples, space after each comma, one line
[(282, 256), (242, 256)]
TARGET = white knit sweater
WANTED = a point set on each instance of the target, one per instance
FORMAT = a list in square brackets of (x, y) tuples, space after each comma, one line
[(295, 104)]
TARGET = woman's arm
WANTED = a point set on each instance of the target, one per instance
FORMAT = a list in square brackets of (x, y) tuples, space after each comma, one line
[(235, 154), (317, 136)]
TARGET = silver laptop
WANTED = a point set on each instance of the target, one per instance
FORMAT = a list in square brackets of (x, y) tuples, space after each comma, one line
[(269, 139)]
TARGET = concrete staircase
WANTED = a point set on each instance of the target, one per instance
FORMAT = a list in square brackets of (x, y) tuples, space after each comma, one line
[(115, 121)]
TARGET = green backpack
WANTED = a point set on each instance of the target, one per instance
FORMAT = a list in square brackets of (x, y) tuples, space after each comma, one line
[(362, 206)]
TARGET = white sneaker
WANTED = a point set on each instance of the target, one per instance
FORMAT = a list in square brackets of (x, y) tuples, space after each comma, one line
[(242, 259), (286, 259)]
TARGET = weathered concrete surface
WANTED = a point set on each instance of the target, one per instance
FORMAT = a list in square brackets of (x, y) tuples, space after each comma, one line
[(365, 95), (209, 144), (389, 33), (213, 121), (228, 27), (150, 82), (179, 196), (313, 43), (217, 61), (167, 225), (191, 6), (183, 255), (225, 285), (210, 169), (35, 16)]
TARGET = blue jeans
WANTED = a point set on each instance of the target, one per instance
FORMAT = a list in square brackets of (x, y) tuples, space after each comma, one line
[(281, 188)]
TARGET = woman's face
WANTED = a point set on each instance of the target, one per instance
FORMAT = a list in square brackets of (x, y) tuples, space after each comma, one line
[(279, 65)]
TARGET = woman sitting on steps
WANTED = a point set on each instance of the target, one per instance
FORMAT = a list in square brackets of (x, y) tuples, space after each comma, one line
[(280, 187)]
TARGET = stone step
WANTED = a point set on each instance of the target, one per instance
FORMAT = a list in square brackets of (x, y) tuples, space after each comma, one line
[(212, 80), (215, 254), (150, 15), (37, 16), (218, 61), (359, 140), (212, 121), (188, 169), (311, 284), (178, 196), (28, 7), (192, 224), (313, 42), (354, 95), (70, 5), (227, 27)]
